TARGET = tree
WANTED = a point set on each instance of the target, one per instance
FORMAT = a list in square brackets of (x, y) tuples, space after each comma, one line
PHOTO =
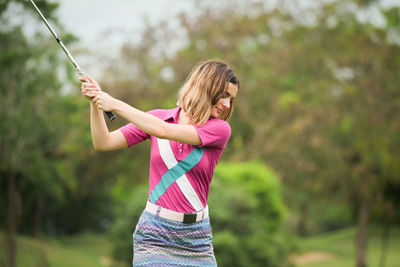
[(28, 101), (246, 213), (317, 103)]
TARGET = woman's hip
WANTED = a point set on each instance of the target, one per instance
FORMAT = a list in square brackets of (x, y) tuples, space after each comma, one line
[(163, 241)]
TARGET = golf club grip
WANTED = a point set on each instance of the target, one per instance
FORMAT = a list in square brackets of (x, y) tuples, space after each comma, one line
[(109, 114)]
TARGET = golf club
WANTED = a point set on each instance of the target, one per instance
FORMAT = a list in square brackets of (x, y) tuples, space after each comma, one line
[(110, 115)]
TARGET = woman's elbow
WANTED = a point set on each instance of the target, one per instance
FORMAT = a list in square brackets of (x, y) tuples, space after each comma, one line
[(99, 147), (161, 132)]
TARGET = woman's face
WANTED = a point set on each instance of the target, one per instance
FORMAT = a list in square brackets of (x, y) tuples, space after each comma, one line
[(224, 102)]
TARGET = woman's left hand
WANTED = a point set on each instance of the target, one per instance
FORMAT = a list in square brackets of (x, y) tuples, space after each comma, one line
[(93, 91)]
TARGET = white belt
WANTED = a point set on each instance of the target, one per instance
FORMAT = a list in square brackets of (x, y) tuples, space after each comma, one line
[(177, 216)]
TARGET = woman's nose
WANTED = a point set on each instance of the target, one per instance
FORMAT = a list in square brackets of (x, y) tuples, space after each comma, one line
[(227, 103)]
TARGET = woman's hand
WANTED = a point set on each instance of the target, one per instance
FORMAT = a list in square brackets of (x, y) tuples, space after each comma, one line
[(99, 98), (104, 101), (89, 88)]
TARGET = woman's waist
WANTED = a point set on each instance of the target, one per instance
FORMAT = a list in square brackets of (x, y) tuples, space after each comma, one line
[(185, 217)]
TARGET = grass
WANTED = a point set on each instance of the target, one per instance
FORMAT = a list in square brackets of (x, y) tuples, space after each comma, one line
[(87, 250), (337, 249)]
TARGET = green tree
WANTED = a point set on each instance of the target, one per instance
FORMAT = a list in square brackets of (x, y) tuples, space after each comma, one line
[(318, 101), (29, 140), (127, 215), (246, 213), (368, 129)]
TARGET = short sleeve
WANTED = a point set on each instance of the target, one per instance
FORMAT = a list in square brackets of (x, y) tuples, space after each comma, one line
[(214, 133), (134, 134)]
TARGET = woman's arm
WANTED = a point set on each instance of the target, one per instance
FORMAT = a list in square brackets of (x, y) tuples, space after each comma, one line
[(154, 126), (102, 139), (148, 123)]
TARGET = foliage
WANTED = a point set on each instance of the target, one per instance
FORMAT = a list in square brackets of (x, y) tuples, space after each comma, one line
[(318, 103), (123, 227), (318, 98), (45, 138), (29, 103), (246, 213)]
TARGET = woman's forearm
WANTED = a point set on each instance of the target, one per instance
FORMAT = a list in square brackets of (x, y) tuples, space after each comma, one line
[(155, 126), (148, 123), (98, 127)]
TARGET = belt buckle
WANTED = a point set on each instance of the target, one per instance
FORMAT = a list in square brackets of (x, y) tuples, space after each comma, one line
[(189, 217)]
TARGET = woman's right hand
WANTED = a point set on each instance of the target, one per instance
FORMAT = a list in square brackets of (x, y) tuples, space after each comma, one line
[(89, 89)]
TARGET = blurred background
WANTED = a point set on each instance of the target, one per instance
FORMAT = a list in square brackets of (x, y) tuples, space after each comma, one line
[(310, 176)]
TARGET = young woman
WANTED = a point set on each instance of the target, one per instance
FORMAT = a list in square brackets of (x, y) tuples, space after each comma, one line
[(186, 143)]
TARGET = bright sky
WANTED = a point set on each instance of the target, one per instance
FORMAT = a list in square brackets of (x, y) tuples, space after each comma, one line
[(95, 21), (98, 20), (104, 25)]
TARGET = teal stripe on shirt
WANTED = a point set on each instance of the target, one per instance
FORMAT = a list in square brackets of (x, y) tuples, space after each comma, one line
[(175, 172)]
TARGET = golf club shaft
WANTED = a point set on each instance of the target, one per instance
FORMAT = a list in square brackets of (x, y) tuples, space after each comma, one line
[(109, 114)]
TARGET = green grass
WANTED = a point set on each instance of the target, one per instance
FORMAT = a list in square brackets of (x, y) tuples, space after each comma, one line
[(339, 246), (336, 248), (81, 250)]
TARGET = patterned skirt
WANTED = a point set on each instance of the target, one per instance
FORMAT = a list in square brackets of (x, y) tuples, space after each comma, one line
[(162, 242)]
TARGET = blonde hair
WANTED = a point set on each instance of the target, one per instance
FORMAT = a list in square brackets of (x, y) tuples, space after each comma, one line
[(206, 84)]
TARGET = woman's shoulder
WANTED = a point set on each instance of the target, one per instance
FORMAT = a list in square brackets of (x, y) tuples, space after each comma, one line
[(164, 114), (214, 132), (215, 122), (216, 126)]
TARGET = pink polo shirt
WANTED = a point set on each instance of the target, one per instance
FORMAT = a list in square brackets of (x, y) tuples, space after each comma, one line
[(214, 136)]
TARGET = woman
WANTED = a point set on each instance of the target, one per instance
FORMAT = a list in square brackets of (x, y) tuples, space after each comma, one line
[(186, 143)]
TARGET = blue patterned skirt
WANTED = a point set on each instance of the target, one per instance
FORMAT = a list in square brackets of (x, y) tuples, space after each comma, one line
[(162, 242)]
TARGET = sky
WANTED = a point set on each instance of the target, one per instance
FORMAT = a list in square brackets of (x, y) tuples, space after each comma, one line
[(94, 20), (103, 26)]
